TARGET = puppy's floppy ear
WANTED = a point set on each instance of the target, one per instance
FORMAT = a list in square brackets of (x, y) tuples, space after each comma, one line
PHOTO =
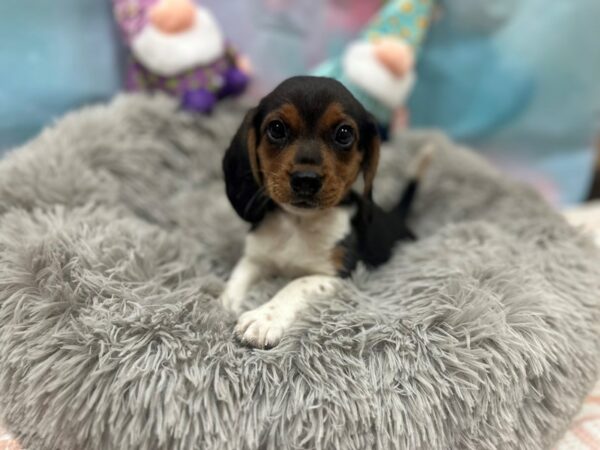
[(242, 174), (370, 142)]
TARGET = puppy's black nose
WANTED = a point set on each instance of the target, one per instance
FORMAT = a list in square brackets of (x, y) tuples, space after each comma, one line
[(306, 183)]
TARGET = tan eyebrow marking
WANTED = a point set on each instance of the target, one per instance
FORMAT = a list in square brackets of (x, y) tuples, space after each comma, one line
[(289, 114), (334, 115)]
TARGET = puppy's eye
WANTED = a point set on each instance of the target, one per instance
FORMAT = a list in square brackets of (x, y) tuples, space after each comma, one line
[(277, 131), (344, 136)]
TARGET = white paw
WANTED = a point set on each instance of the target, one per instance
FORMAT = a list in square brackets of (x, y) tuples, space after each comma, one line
[(260, 328)]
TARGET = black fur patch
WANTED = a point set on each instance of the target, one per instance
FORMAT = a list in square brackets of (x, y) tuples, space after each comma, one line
[(378, 231), (348, 247)]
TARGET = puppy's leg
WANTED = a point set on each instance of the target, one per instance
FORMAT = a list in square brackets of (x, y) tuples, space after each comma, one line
[(265, 325), (246, 273)]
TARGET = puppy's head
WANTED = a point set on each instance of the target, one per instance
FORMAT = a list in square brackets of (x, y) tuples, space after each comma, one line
[(301, 148)]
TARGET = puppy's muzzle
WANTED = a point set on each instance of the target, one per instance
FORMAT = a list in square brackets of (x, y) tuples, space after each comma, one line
[(306, 184)]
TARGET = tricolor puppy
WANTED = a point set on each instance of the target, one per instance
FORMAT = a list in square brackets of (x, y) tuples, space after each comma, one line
[(289, 171)]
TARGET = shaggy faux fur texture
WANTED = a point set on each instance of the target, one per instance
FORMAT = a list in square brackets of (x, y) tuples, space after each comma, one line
[(116, 239)]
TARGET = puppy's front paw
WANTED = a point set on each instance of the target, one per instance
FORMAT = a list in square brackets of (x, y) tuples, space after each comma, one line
[(230, 303), (259, 328)]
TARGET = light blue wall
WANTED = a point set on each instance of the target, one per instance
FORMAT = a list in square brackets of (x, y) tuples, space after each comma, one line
[(517, 79), (54, 55), (520, 81)]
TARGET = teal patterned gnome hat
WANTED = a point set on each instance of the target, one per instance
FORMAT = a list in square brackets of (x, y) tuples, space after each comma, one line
[(399, 25)]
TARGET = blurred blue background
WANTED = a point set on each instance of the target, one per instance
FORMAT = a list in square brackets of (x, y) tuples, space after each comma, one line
[(54, 56), (516, 79)]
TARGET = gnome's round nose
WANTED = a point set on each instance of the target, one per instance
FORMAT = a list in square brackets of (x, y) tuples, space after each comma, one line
[(173, 16), (395, 55)]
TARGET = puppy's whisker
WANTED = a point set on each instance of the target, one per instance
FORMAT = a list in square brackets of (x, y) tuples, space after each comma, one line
[(263, 201), (270, 172), (256, 196)]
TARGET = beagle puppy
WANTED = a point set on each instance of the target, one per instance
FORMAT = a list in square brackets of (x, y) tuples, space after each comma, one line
[(289, 172)]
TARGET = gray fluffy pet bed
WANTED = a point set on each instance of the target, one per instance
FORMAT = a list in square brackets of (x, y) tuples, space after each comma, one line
[(116, 239)]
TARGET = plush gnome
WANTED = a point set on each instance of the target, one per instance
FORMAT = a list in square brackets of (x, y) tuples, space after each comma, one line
[(379, 66), (177, 47)]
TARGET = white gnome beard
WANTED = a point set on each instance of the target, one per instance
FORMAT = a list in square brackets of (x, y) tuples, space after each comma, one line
[(362, 68), (170, 54)]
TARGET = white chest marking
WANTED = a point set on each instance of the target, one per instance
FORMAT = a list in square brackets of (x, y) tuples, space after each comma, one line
[(296, 245)]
